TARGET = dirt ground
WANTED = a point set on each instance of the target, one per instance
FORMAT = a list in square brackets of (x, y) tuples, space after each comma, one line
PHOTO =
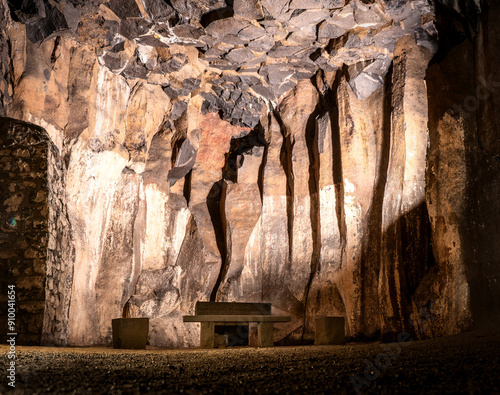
[(468, 363)]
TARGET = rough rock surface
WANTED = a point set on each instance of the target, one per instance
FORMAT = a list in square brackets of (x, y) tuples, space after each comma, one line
[(24, 215), (297, 152)]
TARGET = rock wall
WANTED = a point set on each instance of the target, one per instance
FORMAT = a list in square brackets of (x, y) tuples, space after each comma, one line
[(24, 150), (463, 165), (305, 153)]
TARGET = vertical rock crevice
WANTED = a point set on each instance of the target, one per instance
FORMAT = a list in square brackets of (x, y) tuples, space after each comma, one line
[(484, 274), (260, 178), (286, 164), (486, 98), (186, 189), (216, 207)]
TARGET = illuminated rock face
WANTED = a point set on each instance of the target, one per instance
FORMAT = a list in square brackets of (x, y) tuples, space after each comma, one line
[(295, 152)]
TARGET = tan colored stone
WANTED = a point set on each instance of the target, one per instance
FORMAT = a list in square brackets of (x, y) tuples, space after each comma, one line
[(214, 136), (297, 113), (242, 208), (405, 185), (146, 110)]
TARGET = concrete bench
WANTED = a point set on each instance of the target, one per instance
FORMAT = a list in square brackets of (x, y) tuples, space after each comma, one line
[(212, 314)]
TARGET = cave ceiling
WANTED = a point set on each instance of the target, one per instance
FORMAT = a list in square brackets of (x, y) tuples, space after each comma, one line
[(251, 52)]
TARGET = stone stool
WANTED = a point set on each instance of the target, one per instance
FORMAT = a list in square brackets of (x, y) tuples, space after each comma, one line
[(130, 333), (329, 330)]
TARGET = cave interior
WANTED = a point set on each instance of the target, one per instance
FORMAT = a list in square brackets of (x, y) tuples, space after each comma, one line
[(331, 157)]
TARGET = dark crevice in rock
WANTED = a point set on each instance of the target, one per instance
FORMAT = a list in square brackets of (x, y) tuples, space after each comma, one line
[(452, 31), (53, 56), (38, 29), (386, 142), (314, 214), (126, 308), (336, 43), (216, 207), (239, 147), (286, 163), (222, 13), (183, 153), (418, 257), (260, 179), (487, 132), (23, 11), (177, 142), (187, 187), (297, 12), (467, 11)]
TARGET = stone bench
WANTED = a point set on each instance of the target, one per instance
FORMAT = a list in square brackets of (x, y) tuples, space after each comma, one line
[(213, 314)]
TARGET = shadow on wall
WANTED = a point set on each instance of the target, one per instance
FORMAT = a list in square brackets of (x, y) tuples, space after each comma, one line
[(408, 289), (464, 105)]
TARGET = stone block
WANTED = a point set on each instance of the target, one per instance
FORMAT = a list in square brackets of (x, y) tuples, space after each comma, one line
[(130, 333), (330, 330)]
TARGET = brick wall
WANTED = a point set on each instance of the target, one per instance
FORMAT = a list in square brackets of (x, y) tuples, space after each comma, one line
[(23, 225)]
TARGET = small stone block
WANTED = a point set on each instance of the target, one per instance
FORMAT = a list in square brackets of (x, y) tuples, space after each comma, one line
[(330, 330), (131, 333)]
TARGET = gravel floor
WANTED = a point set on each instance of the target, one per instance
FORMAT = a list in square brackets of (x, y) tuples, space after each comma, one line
[(469, 363)]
